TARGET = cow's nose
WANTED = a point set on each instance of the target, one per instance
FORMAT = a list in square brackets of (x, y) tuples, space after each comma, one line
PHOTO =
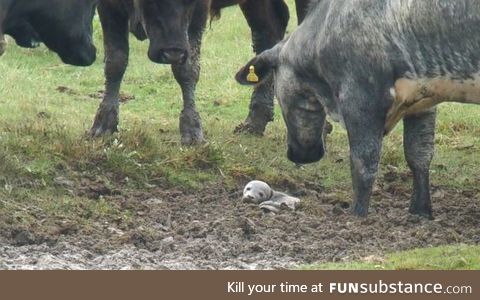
[(305, 156), (174, 55), (82, 57)]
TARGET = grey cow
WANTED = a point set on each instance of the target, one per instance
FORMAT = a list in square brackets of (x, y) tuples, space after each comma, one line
[(368, 64)]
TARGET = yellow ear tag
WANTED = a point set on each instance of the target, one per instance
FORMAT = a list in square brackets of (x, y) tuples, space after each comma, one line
[(252, 77)]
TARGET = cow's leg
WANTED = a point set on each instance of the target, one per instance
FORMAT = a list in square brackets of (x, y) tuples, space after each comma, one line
[(187, 76), (364, 123), (268, 20), (419, 143), (115, 31)]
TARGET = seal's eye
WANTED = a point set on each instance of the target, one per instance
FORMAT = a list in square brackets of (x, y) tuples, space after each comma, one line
[(248, 188), (261, 195)]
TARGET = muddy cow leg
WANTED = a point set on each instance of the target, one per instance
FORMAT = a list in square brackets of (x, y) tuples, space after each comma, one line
[(364, 125), (187, 76), (268, 20), (419, 144), (115, 31)]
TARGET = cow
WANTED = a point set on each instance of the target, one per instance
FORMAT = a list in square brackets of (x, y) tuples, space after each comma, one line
[(268, 20), (65, 26), (368, 64), (174, 30)]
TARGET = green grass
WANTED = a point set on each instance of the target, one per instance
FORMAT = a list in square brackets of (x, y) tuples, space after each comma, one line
[(454, 257), (42, 134)]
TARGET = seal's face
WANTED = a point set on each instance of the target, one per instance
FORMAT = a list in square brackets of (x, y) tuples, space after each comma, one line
[(257, 192)]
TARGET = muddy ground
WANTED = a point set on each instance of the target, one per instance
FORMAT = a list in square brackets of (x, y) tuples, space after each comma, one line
[(213, 229)]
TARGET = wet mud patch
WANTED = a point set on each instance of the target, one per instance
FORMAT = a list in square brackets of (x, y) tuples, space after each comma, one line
[(98, 95), (213, 229)]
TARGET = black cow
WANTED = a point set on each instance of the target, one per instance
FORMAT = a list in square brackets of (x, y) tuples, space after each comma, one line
[(368, 64), (65, 26), (268, 20), (174, 29)]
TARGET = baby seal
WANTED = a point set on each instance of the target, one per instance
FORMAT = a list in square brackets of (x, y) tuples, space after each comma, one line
[(261, 193)]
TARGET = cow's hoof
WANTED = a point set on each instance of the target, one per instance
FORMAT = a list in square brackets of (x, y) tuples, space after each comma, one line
[(426, 213), (191, 128), (250, 128), (192, 138), (359, 211), (106, 122), (97, 132), (100, 128)]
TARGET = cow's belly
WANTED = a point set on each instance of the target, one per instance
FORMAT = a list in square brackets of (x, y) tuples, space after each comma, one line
[(412, 96)]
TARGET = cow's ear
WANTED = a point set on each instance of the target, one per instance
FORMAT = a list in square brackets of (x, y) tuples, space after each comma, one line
[(258, 69)]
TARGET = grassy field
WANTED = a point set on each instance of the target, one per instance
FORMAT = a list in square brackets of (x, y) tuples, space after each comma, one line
[(46, 108), (456, 257)]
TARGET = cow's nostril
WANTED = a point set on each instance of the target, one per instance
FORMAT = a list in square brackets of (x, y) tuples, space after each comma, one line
[(174, 56)]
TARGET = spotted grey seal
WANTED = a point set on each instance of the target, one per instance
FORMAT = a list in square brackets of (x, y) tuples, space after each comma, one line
[(261, 193)]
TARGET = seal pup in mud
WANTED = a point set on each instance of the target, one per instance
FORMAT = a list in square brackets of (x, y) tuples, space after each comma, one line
[(261, 193)]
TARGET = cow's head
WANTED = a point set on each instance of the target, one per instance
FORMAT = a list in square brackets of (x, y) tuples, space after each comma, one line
[(302, 111), (166, 24), (65, 26)]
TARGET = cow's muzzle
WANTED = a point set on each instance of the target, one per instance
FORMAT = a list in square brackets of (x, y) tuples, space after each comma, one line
[(81, 57), (173, 56), (305, 155)]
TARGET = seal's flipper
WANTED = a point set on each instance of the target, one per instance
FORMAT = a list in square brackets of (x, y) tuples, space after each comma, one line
[(270, 206), (284, 199)]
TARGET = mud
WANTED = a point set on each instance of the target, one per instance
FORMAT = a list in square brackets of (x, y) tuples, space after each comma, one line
[(98, 95), (214, 229)]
